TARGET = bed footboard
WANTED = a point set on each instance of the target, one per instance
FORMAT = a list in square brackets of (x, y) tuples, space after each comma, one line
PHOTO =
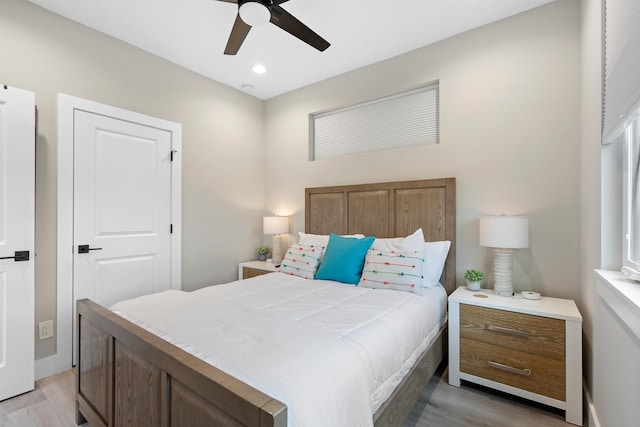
[(127, 376)]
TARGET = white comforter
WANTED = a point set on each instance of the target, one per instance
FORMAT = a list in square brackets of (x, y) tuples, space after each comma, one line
[(331, 352)]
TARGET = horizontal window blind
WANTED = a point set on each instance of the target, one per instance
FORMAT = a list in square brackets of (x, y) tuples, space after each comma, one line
[(622, 65), (399, 120)]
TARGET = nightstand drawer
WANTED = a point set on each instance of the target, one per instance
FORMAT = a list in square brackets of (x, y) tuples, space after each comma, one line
[(541, 375), (542, 336), (248, 272)]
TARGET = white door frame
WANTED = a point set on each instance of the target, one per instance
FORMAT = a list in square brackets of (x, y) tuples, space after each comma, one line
[(67, 104)]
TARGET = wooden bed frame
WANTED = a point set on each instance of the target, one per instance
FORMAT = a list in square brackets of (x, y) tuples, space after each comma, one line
[(127, 376)]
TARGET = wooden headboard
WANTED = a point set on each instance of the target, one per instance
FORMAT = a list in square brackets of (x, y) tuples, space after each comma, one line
[(389, 209)]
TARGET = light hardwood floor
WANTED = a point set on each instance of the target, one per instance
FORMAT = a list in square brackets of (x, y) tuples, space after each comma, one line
[(442, 405), (52, 404)]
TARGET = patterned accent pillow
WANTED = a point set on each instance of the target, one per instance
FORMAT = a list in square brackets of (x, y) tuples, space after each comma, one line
[(400, 271), (301, 260)]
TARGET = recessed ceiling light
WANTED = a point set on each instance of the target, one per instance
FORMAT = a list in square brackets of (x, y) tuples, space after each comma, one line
[(247, 87), (259, 69)]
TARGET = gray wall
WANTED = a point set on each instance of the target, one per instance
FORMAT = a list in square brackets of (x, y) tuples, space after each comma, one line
[(509, 133), (223, 166)]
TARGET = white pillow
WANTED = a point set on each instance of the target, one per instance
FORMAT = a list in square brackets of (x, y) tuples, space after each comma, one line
[(400, 271), (435, 256), (411, 243), (301, 260)]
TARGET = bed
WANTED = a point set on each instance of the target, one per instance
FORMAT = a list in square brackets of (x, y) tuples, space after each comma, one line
[(128, 375)]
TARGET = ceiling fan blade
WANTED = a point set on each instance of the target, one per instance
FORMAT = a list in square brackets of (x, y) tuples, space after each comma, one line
[(291, 25), (237, 36)]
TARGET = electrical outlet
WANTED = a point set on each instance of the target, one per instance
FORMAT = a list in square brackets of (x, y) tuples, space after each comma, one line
[(45, 329)]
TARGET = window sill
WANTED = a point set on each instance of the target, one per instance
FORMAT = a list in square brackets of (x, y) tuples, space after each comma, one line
[(622, 295)]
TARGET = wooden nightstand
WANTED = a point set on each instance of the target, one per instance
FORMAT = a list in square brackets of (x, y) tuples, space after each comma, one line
[(250, 269), (529, 348)]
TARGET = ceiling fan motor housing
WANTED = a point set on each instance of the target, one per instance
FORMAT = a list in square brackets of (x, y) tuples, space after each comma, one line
[(266, 3), (255, 12), (258, 12)]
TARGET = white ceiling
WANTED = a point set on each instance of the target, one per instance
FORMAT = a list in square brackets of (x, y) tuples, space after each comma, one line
[(194, 33)]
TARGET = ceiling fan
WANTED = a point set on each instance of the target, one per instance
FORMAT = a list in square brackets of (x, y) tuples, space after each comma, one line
[(258, 12)]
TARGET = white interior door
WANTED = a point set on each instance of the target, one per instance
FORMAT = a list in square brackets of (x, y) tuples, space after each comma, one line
[(122, 208), (17, 219), (107, 186)]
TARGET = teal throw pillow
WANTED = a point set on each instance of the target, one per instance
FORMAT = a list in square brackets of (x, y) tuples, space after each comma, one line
[(344, 258)]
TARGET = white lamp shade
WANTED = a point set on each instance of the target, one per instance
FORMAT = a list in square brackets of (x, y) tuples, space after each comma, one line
[(275, 224), (254, 13), (504, 232)]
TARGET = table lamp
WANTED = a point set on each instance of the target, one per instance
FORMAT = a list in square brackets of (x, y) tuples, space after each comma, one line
[(275, 225), (504, 233)]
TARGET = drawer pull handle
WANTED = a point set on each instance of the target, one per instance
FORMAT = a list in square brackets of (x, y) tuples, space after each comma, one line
[(523, 372), (508, 331)]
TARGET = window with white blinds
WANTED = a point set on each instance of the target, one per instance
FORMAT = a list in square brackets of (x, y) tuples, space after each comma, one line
[(400, 120), (621, 66)]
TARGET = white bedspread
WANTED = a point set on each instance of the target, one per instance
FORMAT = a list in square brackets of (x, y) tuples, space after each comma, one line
[(331, 352)]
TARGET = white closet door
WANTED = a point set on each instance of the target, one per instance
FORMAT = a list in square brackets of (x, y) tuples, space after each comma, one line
[(17, 218)]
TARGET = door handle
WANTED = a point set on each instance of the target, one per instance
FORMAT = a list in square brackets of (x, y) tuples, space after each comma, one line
[(18, 256), (84, 249)]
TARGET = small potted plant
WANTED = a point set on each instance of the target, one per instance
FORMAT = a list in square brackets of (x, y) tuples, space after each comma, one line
[(263, 251), (474, 279)]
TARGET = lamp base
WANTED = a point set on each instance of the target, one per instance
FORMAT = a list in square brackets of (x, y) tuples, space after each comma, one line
[(276, 249), (503, 272)]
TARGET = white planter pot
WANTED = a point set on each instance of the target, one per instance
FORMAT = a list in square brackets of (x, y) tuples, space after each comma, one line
[(473, 286)]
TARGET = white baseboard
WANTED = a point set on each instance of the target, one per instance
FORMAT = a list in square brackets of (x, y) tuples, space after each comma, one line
[(48, 366), (592, 417)]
